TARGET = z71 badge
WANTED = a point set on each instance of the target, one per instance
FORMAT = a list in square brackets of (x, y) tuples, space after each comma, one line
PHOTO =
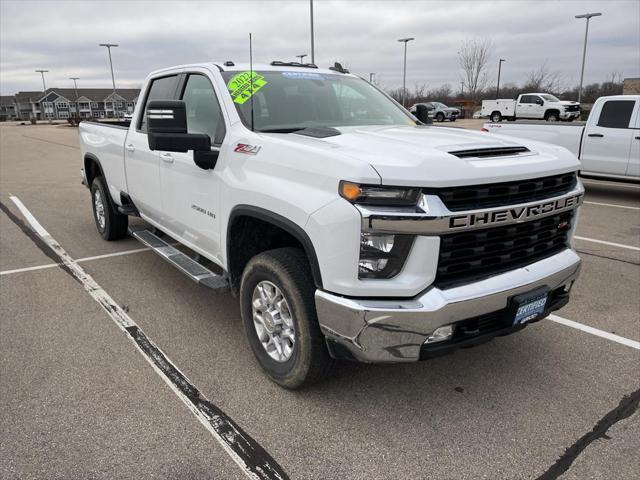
[(247, 149)]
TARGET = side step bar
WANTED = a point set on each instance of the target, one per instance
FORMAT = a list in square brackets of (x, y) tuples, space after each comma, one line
[(194, 270)]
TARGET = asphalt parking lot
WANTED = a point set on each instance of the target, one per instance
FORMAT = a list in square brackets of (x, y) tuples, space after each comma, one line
[(77, 400)]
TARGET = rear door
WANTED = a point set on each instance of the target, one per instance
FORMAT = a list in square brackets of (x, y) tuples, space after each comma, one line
[(191, 195), (633, 168), (606, 142), (525, 107), (142, 164)]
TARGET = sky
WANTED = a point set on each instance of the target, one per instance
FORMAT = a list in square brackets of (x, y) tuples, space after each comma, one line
[(63, 37)]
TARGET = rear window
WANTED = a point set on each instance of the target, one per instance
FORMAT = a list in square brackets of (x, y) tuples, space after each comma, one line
[(616, 114)]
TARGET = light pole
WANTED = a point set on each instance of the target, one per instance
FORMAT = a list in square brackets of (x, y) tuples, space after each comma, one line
[(404, 71), (371, 74), (313, 53), (113, 80), (75, 87), (301, 56), (44, 89), (498, 85), (584, 50)]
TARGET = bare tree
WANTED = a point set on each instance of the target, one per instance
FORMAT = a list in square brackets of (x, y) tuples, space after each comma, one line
[(473, 57), (543, 80)]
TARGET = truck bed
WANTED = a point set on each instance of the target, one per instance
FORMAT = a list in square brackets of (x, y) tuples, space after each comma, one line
[(567, 135)]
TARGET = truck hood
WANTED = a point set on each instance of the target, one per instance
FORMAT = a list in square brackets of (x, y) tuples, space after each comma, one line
[(567, 102), (421, 155)]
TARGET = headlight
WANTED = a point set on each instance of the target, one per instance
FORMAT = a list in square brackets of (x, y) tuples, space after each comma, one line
[(378, 195), (382, 255)]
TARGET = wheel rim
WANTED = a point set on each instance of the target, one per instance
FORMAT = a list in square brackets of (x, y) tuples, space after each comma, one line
[(273, 321), (98, 206), (495, 118)]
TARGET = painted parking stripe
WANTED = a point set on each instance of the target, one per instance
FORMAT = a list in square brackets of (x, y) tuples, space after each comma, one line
[(254, 461), (611, 244), (614, 205), (81, 260), (594, 331), (610, 184)]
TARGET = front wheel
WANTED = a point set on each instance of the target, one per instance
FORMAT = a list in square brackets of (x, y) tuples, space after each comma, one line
[(111, 224), (279, 316), (551, 117), (440, 117)]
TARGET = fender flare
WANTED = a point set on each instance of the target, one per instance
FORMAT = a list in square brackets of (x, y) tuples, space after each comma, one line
[(283, 223), (93, 158)]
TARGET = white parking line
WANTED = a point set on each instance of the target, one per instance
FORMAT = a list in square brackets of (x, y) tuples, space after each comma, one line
[(594, 331), (614, 205), (253, 460), (85, 259), (610, 184), (612, 244)]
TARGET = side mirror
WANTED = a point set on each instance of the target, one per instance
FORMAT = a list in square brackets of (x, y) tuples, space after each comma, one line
[(167, 131), (539, 102)]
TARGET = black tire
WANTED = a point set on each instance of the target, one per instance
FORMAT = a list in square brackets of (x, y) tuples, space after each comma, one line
[(453, 119), (288, 269), (496, 117), (551, 117), (440, 117), (115, 224)]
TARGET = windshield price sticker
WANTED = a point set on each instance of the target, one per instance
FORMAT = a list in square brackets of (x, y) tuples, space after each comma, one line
[(240, 86)]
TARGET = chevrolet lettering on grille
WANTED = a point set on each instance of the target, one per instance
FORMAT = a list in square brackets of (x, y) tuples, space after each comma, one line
[(513, 214)]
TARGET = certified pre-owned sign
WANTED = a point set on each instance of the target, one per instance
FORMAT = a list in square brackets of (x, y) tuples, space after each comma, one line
[(514, 214)]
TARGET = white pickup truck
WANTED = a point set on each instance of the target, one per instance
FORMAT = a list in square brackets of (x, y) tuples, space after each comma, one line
[(536, 106), (608, 144), (347, 229)]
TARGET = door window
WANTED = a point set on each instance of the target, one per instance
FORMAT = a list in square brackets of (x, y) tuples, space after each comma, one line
[(161, 89), (616, 114), (202, 107), (527, 99)]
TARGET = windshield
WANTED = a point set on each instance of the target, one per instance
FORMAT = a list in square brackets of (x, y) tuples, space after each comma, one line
[(439, 105), (289, 101), (550, 98)]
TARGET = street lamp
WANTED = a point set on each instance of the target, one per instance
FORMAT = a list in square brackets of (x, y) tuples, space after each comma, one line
[(113, 80), (75, 87), (371, 74), (404, 71), (44, 87), (301, 56), (498, 85), (313, 53), (584, 50)]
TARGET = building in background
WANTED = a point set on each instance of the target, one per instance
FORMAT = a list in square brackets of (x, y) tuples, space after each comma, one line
[(7, 108), (60, 103), (631, 86)]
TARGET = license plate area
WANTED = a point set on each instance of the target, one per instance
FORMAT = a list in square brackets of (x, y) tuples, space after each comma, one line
[(528, 306)]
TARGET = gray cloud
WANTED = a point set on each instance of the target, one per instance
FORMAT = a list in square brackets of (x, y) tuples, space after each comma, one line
[(63, 37)]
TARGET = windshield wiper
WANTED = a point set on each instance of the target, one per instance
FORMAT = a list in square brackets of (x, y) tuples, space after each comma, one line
[(281, 130)]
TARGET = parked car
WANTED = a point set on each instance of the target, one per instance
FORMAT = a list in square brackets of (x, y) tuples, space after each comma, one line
[(531, 106), (440, 111), (477, 114), (345, 229), (608, 145)]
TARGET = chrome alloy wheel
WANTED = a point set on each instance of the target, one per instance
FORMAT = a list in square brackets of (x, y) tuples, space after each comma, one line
[(99, 209), (272, 321)]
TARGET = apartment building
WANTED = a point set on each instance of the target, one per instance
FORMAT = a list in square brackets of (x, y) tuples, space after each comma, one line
[(63, 103)]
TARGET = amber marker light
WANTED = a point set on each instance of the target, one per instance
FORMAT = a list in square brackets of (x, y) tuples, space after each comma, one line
[(350, 191)]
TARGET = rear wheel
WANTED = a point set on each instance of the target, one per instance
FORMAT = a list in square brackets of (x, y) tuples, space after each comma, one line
[(111, 224), (496, 117), (279, 316)]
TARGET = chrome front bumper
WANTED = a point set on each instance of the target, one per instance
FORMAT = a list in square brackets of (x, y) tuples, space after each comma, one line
[(389, 330)]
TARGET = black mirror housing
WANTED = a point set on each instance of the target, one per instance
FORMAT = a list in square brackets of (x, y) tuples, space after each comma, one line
[(167, 128)]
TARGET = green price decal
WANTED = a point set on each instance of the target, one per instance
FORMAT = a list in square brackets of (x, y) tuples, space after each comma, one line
[(240, 86)]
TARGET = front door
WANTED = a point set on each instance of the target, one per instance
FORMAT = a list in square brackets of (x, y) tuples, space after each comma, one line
[(606, 143), (191, 195), (143, 174), (526, 107)]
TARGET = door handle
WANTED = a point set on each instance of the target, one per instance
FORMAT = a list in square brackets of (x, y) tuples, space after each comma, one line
[(597, 135), (130, 148), (166, 157)]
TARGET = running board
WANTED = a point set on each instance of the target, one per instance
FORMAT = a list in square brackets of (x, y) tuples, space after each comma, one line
[(192, 269)]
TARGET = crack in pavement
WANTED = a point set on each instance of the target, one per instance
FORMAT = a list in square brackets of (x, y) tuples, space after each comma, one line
[(627, 407)]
